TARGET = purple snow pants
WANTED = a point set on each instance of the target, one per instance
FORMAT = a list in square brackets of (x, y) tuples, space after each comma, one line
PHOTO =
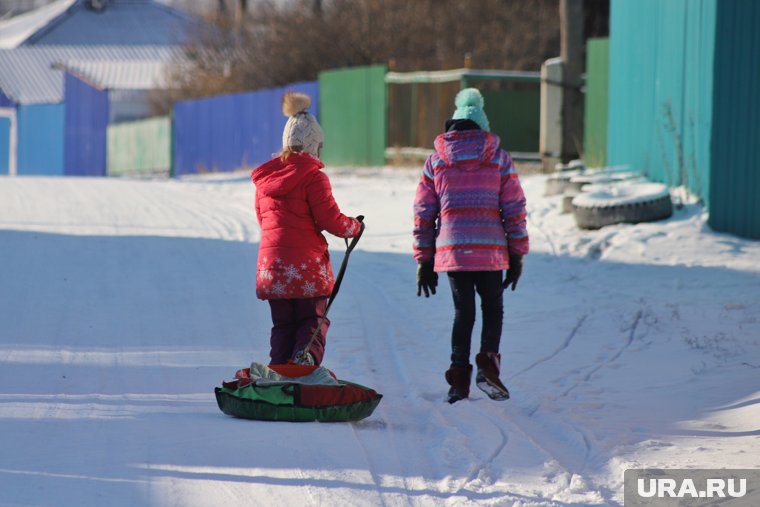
[(293, 323)]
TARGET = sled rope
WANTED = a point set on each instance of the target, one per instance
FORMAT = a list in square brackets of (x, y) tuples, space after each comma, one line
[(336, 287)]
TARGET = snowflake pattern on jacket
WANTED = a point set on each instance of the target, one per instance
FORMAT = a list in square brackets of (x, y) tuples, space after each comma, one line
[(469, 210), (294, 204)]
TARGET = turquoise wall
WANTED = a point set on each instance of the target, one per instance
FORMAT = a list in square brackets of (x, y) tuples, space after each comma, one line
[(683, 101), (660, 89)]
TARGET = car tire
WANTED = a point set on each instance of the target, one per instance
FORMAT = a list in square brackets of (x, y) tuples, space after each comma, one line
[(626, 202)]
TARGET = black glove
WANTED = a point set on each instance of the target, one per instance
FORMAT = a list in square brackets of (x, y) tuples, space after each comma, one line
[(514, 271), (360, 218), (427, 279)]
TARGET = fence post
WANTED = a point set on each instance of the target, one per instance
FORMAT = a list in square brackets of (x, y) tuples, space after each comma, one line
[(571, 52)]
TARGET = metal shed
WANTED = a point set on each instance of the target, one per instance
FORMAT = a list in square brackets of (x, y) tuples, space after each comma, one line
[(75, 32), (32, 83), (98, 93)]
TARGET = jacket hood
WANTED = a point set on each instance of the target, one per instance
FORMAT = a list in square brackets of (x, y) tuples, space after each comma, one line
[(466, 146), (277, 178)]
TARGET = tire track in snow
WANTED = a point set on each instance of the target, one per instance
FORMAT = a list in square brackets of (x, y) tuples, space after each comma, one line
[(395, 314), (522, 423), (430, 410), (398, 315)]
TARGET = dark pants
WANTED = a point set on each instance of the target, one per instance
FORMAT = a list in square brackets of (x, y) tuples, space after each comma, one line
[(293, 323), (464, 284)]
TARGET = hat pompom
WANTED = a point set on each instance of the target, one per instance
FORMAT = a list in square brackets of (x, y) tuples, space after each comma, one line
[(469, 97), (469, 104), (294, 103)]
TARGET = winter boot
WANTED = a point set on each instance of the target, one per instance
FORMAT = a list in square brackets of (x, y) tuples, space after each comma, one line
[(458, 377), (487, 378)]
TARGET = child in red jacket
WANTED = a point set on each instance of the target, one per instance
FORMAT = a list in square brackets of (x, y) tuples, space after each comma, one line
[(294, 204)]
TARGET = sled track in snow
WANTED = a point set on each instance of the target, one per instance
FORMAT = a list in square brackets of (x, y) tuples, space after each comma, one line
[(369, 329), (432, 409), (370, 466), (235, 224)]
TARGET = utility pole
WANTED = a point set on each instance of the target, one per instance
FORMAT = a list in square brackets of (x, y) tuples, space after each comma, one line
[(571, 53)]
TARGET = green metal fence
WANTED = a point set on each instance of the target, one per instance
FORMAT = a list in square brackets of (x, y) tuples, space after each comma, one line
[(352, 113), (139, 147), (595, 114), (419, 103)]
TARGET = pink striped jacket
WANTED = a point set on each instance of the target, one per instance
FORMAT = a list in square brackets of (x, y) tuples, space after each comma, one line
[(469, 211)]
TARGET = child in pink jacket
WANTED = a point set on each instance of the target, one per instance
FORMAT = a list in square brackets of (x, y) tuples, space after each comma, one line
[(470, 222)]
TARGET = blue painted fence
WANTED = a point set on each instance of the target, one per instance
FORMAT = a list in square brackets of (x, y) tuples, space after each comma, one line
[(231, 131), (40, 139), (86, 123), (5, 145)]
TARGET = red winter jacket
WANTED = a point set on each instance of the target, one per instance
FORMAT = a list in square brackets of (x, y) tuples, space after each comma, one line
[(294, 203)]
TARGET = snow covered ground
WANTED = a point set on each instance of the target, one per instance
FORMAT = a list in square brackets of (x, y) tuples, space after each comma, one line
[(123, 303)]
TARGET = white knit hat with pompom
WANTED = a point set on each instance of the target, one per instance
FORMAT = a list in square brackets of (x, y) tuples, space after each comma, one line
[(302, 131)]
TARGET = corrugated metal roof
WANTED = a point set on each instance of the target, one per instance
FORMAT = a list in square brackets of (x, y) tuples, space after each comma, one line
[(27, 75), (120, 22), (121, 75), (16, 30)]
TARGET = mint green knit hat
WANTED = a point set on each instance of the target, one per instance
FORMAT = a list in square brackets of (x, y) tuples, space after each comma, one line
[(469, 104)]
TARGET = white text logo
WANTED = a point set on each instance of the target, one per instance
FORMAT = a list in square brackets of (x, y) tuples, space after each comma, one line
[(715, 488)]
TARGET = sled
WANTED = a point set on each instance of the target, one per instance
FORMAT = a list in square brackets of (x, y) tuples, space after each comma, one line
[(297, 392)]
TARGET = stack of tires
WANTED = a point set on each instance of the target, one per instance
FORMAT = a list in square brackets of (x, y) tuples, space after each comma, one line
[(600, 197)]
